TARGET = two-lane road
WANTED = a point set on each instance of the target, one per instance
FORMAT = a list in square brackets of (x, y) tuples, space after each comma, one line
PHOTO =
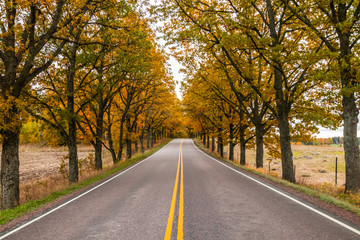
[(181, 191)]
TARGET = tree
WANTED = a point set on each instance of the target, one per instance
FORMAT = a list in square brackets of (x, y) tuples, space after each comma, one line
[(268, 29), (29, 45), (336, 23)]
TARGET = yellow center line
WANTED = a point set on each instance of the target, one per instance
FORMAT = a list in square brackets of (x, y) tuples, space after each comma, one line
[(173, 201), (181, 202)]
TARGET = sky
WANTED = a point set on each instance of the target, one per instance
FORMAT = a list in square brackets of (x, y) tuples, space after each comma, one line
[(175, 67)]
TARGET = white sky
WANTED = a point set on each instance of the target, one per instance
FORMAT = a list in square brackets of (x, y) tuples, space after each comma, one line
[(175, 67)]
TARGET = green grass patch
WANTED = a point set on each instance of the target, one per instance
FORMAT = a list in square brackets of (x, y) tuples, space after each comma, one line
[(336, 145), (297, 154), (10, 214), (311, 192), (331, 167)]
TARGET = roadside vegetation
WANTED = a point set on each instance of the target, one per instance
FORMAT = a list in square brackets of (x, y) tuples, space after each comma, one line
[(47, 189), (86, 72), (265, 74), (324, 191)]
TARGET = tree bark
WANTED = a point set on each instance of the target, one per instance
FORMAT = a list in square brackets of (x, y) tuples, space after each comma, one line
[(73, 158), (98, 141), (10, 169), (151, 137), (141, 138), (111, 145), (148, 138), (121, 142), (231, 143), (350, 117), (213, 143), (208, 142), (220, 144), (128, 149), (204, 139), (128, 138), (259, 149), (242, 146), (286, 152)]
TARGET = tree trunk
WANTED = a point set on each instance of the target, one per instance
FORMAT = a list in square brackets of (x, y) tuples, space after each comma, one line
[(136, 146), (350, 117), (231, 143), (111, 143), (148, 139), (128, 149), (259, 147), (73, 159), (141, 138), (213, 143), (242, 146), (286, 152), (204, 139), (128, 138), (220, 144), (283, 104), (98, 143), (71, 142), (10, 169), (98, 154), (208, 141), (121, 142), (151, 137), (351, 147)]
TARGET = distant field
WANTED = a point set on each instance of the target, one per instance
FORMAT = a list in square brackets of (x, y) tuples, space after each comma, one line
[(314, 164), (42, 161)]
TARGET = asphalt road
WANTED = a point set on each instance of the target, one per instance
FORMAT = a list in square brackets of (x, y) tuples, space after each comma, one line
[(180, 190)]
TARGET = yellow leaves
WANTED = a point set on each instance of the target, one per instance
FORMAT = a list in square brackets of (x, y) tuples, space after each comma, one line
[(10, 113)]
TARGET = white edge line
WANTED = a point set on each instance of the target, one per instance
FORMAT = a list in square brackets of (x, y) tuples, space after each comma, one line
[(285, 195), (79, 196)]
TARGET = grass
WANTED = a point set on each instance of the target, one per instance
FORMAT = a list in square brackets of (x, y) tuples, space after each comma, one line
[(10, 214), (324, 192)]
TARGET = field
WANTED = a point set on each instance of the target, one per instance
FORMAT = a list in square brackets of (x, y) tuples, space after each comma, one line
[(38, 162), (313, 164)]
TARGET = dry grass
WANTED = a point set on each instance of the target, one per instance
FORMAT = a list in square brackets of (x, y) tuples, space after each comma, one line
[(314, 164), (315, 168), (41, 170)]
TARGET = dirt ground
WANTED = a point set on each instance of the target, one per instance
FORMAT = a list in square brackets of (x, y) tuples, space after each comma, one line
[(313, 164), (42, 161)]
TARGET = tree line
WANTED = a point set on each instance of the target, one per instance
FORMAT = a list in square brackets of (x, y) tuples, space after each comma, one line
[(80, 69), (265, 73)]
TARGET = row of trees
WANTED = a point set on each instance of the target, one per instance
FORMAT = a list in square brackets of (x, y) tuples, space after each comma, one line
[(87, 69), (270, 71)]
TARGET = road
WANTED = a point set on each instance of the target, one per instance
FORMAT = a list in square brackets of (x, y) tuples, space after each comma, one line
[(180, 191)]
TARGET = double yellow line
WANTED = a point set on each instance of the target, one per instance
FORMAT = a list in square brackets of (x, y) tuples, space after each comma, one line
[(173, 201)]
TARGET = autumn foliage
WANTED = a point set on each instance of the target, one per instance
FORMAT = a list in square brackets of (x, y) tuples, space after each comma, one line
[(80, 71)]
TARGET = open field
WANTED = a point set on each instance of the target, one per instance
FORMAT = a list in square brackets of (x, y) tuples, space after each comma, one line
[(37, 161), (314, 164)]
